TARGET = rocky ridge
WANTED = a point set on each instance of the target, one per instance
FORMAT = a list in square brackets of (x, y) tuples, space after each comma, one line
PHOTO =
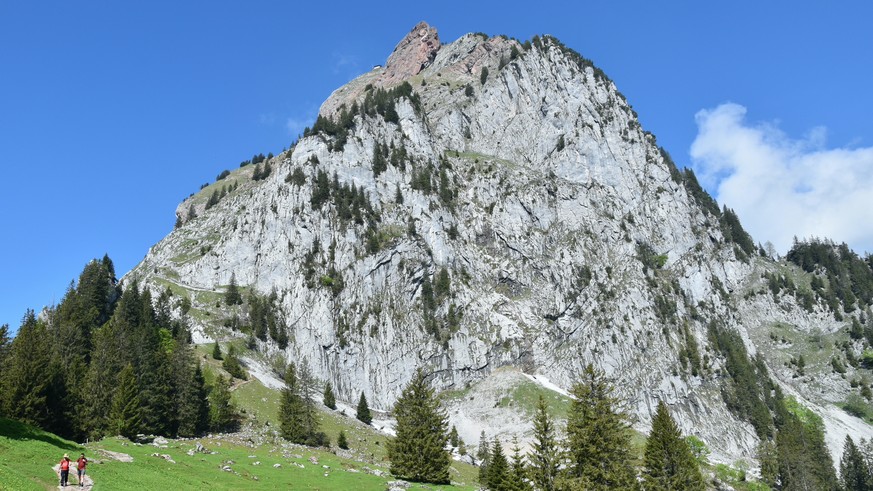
[(566, 234)]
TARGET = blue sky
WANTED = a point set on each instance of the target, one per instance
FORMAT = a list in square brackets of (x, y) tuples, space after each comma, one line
[(113, 112)]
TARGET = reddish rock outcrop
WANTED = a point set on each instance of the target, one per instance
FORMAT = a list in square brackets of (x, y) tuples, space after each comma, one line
[(411, 55)]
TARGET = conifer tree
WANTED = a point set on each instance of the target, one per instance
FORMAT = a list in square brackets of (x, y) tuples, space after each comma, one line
[(418, 452), (453, 437), (5, 342), (231, 364), (329, 399), (100, 382), (854, 470), (545, 452), (26, 382), (126, 408), (341, 440), (804, 461), (291, 408), (598, 436), (363, 413), (311, 428), (668, 462), (232, 295), (482, 453), (190, 396), (216, 352), (518, 469), (497, 474), (222, 414)]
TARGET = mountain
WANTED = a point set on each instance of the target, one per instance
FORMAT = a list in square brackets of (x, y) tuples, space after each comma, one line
[(489, 205)]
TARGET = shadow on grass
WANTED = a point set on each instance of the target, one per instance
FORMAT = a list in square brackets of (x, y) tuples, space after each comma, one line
[(16, 430)]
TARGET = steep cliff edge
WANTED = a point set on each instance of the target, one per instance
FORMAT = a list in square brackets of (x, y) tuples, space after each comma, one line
[(488, 203)]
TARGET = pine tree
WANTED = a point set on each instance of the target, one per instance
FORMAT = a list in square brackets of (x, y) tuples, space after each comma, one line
[(5, 342), (482, 453), (291, 408), (363, 413), (854, 470), (497, 475), (222, 414), (232, 295), (598, 436), (190, 396), (25, 386), (418, 451), (341, 440), (125, 417), (231, 364), (518, 470), (101, 382), (329, 399), (804, 461), (314, 437), (216, 352), (545, 453), (453, 437), (668, 462)]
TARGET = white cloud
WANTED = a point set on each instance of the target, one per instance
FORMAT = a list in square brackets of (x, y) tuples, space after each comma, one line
[(782, 187)]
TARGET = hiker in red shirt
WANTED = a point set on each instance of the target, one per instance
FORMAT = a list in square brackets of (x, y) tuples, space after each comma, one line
[(81, 463), (65, 469)]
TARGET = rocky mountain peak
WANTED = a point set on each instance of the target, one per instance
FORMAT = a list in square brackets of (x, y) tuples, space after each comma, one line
[(415, 52), (504, 208)]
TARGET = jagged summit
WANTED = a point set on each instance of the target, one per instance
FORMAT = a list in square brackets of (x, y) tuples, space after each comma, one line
[(483, 204), (413, 53)]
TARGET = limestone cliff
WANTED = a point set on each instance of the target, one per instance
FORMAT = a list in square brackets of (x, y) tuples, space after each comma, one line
[(488, 203)]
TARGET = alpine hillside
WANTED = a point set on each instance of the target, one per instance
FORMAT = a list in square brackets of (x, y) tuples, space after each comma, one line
[(492, 210)]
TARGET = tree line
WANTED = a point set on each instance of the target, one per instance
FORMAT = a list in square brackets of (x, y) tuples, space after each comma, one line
[(106, 361)]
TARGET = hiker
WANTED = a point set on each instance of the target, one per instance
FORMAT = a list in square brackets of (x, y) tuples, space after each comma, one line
[(65, 469), (81, 464)]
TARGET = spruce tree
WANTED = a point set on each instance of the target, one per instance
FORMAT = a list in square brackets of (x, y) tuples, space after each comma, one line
[(482, 453), (668, 462), (497, 475), (363, 413), (216, 352), (518, 470), (545, 452), (804, 461), (341, 440), (291, 408), (5, 342), (314, 437), (190, 396), (26, 382), (453, 437), (231, 364), (598, 436), (232, 295), (854, 470), (125, 417), (101, 382), (418, 451), (329, 399), (222, 414)]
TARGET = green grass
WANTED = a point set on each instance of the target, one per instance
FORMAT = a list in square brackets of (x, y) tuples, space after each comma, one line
[(28, 454), (526, 395), (262, 404)]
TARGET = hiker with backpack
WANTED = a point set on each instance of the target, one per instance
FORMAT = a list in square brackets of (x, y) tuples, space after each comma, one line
[(80, 465), (65, 469)]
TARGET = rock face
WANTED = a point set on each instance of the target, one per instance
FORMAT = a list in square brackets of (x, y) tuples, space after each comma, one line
[(511, 211), (411, 55)]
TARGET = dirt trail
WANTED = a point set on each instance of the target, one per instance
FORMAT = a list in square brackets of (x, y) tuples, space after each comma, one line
[(73, 482)]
